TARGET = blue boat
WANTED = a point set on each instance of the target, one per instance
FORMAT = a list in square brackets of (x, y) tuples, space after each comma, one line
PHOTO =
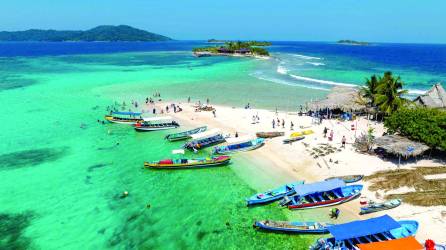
[(347, 236), (297, 227), (273, 195), (239, 144), (321, 194)]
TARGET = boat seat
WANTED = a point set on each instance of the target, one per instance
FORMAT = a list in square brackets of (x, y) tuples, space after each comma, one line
[(368, 239)]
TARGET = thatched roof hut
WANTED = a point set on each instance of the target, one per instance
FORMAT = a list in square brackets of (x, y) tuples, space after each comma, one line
[(433, 98), (399, 145), (340, 97)]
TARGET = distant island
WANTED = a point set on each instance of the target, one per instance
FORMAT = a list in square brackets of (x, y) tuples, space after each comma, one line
[(104, 33), (249, 48), (353, 42)]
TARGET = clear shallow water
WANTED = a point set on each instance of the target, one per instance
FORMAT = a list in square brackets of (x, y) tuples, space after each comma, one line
[(62, 172)]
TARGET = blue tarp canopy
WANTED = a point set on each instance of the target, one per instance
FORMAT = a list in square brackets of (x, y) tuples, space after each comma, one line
[(322, 186), (127, 113), (363, 227)]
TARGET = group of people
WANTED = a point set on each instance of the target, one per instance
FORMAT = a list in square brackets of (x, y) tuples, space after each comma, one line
[(331, 135), (283, 123)]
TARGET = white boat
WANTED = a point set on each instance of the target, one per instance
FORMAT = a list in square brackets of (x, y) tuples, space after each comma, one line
[(124, 117), (156, 123), (238, 144)]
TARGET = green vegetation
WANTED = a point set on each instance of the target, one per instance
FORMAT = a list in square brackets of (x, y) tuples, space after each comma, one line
[(423, 124), (384, 93), (427, 192), (352, 42), (100, 33), (230, 47), (427, 125)]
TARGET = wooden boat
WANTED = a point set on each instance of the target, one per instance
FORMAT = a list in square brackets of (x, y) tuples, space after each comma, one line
[(350, 235), (321, 194), (348, 178), (189, 163), (293, 139), (204, 139), (185, 134), (239, 144), (130, 118), (293, 226), (273, 195), (269, 134), (156, 123), (376, 207)]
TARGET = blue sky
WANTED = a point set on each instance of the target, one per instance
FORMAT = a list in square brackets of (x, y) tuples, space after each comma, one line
[(311, 20)]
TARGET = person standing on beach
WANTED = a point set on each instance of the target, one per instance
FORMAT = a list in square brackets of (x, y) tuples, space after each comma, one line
[(343, 141), (330, 138), (283, 123), (274, 123), (167, 109), (154, 111), (188, 99), (213, 112), (325, 132), (292, 126), (236, 134), (207, 102)]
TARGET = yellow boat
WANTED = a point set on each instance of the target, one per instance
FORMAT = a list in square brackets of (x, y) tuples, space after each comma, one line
[(130, 118), (301, 133)]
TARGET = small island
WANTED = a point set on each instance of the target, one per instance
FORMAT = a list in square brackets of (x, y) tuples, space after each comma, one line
[(104, 33), (353, 42), (248, 49)]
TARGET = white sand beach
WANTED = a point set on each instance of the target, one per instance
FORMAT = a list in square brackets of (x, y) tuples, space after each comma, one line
[(277, 163)]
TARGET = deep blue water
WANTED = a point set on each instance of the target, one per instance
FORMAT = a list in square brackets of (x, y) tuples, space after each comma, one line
[(309, 64)]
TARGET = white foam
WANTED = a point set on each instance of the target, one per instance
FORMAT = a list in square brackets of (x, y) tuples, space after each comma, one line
[(315, 63), (280, 81), (416, 91), (282, 70), (308, 79), (307, 57)]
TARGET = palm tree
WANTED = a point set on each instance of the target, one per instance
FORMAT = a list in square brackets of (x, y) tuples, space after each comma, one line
[(388, 95), (369, 90)]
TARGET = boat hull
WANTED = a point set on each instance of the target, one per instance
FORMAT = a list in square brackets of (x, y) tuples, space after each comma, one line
[(380, 207), (293, 139), (188, 165), (148, 129), (122, 121), (185, 135), (279, 194), (230, 151), (269, 134), (348, 178), (290, 228), (323, 203)]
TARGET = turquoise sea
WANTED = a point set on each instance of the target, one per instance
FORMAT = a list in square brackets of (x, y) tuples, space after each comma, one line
[(62, 172)]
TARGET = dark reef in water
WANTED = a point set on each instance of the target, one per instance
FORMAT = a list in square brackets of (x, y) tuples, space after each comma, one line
[(96, 166), (8, 83), (12, 230), (31, 157)]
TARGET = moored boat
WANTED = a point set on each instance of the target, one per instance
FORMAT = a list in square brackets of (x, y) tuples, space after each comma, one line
[(293, 226), (293, 139), (349, 235), (376, 207), (204, 139), (237, 144), (156, 123), (348, 178), (321, 194), (185, 134), (124, 117), (273, 195), (269, 134), (185, 163)]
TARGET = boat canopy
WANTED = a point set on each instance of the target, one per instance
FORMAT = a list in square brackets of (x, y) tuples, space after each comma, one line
[(178, 151), (126, 113), (361, 228), (322, 186), (239, 140), (408, 243), (157, 119), (206, 134)]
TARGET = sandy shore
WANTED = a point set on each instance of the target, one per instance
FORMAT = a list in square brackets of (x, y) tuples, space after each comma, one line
[(276, 163)]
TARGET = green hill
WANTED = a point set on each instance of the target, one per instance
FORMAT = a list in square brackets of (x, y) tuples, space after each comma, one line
[(101, 33)]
